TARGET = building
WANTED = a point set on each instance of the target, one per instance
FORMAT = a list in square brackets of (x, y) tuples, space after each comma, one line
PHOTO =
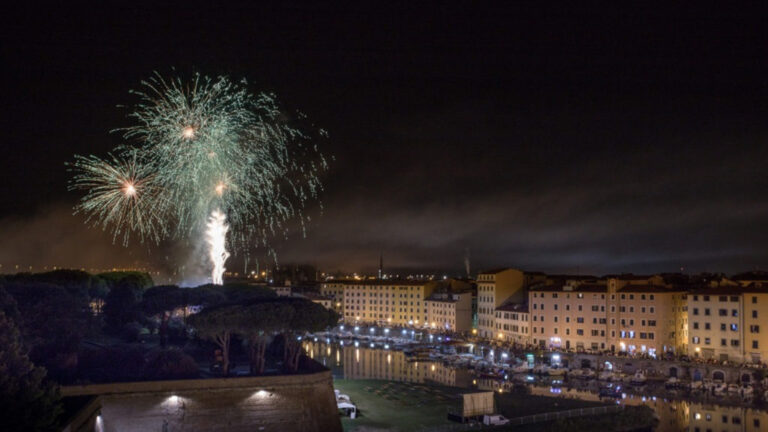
[(755, 310), (566, 316), (497, 287), (450, 311), (513, 323), (725, 323), (334, 290), (395, 302), (647, 318), (627, 313)]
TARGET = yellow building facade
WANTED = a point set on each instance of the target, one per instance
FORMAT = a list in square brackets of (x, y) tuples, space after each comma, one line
[(497, 287), (450, 312), (386, 302)]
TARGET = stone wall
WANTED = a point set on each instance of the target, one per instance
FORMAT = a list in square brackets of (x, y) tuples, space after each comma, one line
[(665, 368), (271, 403)]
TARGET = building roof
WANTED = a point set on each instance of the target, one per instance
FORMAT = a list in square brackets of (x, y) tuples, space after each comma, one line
[(561, 287), (514, 307), (627, 276), (572, 277), (649, 289), (496, 270), (381, 282), (756, 288), (442, 300), (751, 276)]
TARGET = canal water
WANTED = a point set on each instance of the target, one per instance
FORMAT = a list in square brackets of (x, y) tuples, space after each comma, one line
[(380, 362)]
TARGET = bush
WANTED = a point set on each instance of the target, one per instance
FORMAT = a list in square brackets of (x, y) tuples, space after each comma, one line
[(170, 364), (111, 364)]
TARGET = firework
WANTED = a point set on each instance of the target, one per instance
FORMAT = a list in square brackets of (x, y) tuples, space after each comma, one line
[(216, 236), (197, 150)]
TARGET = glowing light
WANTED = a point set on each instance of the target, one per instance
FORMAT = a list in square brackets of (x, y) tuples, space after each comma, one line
[(220, 188), (188, 132), (216, 236), (129, 189)]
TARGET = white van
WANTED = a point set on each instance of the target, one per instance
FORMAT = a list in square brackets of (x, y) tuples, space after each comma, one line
[(495, 420)]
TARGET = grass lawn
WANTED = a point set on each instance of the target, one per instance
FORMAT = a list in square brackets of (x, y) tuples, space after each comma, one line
[(409, 407), (396, 406), (512, 405)]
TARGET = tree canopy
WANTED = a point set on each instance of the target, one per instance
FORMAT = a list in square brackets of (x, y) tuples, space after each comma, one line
[(27, 402)]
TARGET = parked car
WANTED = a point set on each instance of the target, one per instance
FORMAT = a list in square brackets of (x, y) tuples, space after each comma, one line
[(495, 420)]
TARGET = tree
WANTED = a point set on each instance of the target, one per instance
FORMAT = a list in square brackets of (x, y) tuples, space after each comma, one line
[(217, 324), (76, 282), (161, 301), (307, 316), (26, 401), (262, 320), (141, 280), (241, 293), (123, 305), (170, 364), (52, 322)]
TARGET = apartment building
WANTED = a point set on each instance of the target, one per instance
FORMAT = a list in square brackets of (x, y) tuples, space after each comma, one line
[(635, 314), (450, 311), (725, 322), (513, 323), (335, 291), (716, 316), (395, 302), (648, 318), (755, 310), (565, 316), (497, 287)]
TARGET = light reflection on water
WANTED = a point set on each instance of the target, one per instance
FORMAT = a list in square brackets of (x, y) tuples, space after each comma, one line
[(362, 362)]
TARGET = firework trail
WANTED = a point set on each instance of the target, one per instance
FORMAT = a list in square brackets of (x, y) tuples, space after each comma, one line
[(198, 151), (216, 236)]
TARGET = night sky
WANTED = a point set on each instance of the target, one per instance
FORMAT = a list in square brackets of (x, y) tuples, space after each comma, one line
[(561, 139)]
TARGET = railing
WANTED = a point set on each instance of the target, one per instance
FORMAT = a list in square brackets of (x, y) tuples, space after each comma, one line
[(536, 418)]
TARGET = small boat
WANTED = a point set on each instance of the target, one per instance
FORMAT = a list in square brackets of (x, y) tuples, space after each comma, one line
[(672, 383), (638, 378), (582, 373), (719, 388), (606, 376), (696, 385), (556, 371), (734, 388), (541, 369), (522, 368), (610, 392), (747, 391)]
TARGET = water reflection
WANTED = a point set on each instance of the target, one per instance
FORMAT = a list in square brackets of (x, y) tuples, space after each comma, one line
[(363, 362)]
